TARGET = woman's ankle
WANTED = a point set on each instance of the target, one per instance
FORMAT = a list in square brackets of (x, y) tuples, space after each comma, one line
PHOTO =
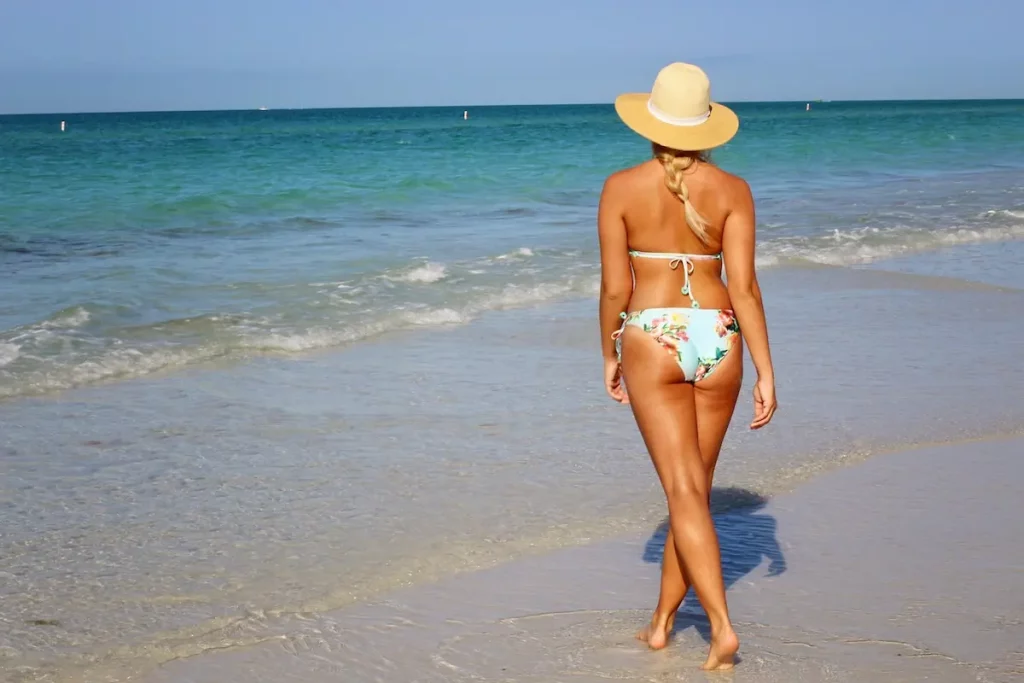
[(663, 616)]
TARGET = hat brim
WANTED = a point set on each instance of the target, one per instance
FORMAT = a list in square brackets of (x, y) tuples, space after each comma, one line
[(718, 129)]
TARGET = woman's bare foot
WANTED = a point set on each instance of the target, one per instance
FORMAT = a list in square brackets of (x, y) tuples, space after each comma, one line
[(723, 651), (657, 633)]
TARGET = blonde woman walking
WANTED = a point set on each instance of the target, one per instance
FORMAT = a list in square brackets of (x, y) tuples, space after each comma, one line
[(671, 329)]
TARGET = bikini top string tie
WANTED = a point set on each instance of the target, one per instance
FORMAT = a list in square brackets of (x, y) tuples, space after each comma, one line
[(677, 260), (688, 266)]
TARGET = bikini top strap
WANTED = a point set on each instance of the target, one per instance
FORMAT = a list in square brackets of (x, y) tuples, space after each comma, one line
[(675, 257)]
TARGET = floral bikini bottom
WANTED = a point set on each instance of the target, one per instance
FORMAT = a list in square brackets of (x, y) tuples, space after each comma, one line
[(697, 338)]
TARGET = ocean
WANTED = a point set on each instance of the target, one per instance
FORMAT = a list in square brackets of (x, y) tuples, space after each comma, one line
[(138, 243), (260, 364)]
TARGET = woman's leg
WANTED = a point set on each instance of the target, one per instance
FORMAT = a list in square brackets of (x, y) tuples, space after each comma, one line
[(665, 410), (714, 401)]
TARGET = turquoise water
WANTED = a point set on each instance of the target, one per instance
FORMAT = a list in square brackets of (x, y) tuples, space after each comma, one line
[(135, 243)]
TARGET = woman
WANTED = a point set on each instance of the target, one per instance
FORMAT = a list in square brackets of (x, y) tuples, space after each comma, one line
[(670, 328)]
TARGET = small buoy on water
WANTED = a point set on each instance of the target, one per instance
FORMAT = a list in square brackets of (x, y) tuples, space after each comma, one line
[(62, 126), (465, 115), (808, 106)]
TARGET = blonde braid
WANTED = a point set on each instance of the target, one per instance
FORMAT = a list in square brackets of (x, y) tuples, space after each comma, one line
[(675, 163)]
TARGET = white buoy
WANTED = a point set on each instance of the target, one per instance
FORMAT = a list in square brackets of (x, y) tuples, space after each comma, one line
[(465, 115), (808, 106), (62, 126)]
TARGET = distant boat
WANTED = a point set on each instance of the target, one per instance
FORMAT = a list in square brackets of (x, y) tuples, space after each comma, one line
[(263, 108)]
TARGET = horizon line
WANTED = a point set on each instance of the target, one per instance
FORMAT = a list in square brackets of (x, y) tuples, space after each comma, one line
[(492, 106)]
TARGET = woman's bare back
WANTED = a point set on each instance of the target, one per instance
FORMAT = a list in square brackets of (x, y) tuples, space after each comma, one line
[(656, 222)]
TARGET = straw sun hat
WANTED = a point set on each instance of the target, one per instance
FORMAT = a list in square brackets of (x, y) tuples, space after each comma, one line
[(678, 112)]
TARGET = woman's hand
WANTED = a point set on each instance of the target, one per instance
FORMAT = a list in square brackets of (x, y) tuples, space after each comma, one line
[(613, 381), (764, 402)]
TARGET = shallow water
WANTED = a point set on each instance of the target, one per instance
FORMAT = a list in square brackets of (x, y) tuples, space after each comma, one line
[(154, 514), (900, 569)]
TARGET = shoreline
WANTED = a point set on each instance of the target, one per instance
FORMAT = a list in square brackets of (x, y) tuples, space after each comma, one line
[(914, 270), (334, 490), (814, 590)]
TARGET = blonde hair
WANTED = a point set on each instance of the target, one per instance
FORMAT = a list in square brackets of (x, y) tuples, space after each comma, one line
[(675, 163)]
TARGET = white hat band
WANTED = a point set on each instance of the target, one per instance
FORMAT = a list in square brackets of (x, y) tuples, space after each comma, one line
[(676, 120)]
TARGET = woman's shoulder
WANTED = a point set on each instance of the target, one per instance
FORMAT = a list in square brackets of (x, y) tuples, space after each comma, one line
[(729, 180), (627, 178), (734, 189)]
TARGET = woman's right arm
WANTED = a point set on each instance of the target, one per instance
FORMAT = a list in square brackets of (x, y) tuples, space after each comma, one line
[(745, 294)]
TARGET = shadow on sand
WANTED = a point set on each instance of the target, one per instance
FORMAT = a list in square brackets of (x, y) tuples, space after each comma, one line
[(746, 539)]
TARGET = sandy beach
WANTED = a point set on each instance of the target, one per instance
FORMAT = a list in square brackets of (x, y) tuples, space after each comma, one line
[(904, 568)]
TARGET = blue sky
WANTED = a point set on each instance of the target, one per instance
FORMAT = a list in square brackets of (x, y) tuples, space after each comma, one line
[(120, 55)]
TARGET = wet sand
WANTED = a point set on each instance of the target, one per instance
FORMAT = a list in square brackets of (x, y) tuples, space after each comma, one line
[(908, 567)]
